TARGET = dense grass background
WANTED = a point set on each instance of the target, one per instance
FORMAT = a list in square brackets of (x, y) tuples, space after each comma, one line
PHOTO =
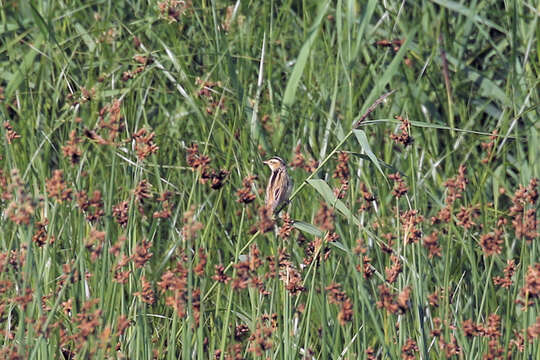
[(245, 81)]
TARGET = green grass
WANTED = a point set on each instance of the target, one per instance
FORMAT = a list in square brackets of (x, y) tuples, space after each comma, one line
[(245, 81)]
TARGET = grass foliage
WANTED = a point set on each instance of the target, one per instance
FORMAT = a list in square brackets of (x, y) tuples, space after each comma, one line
[(129, 128)]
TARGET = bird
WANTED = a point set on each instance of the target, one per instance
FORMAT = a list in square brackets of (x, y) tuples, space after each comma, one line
[(279, 185)]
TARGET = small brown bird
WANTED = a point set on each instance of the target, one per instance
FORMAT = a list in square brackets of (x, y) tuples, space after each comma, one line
[(279, 185)]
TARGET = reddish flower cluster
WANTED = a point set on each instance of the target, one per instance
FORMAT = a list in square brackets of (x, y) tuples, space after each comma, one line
[(246, 272), (69, 275), (142, 192), (130, 74), (245, 195), (265, 223), (94, 136), (220, 275), (172, 10), (403, 138), (92, 207), (466, 215), (455, 188), (195, 160), (488, 147), (122, 324), (72, 150), (530, 292), (491, 242), (261, 338), (365, 267), (199, 268), (56, 187), (433, 299), (21, 206), (524, 220), (234, 352), (166, 206), (191, 225), (492, 331), (533, 331), (388, 301), (94, 243), (287, 227), (144, 143), (289, 275), (115, 123), (367, 197), (141, 254), (10, 133), (325, 217), (338, 297), (319, 247), (266, 123), (215, 177), (120, 213), (175, 282), (400, 187), (388, 246), (201, 163), (409, 222), (208, 91), (509, 271), (409, 349), (394, 43), (370, 353), (87, 321), (40, 236), (310, 250), (299, 161), (147, 293), (240, 332), (393, 271), (451, 347), (121, 276), (431, 243), (342, 173)]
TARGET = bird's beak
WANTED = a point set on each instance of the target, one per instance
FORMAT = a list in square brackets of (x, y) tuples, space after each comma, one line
[(265, 162)]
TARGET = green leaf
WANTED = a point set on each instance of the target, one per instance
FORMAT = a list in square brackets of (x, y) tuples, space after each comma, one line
[(24, 68), (363, 141), (388, 74), (308, 228), (322, 188), (470, 13), (340, 246), (292, 85), (40, 22), (90, 43), (488, 87)]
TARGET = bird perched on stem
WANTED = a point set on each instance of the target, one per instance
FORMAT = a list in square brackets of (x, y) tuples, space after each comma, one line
[(279, 185)]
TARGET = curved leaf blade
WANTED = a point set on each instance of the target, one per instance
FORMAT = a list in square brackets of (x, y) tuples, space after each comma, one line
[(363, 141), (308, 228), (326, 192)]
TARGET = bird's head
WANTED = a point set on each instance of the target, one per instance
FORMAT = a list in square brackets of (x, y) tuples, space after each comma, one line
[(274, 163)]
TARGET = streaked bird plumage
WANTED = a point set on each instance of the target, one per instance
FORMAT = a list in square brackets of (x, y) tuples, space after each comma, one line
[(279, 185)]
